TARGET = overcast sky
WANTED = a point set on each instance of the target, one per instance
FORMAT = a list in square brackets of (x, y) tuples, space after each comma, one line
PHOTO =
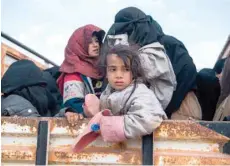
[(45, 25)]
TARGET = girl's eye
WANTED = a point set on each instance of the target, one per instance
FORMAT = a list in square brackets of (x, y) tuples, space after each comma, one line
[(94, 40), (127, 69), (112, 69)]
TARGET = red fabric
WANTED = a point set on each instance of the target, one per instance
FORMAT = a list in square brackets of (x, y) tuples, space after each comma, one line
[(76, 53), (88, 136), (71, 77), (85, 140)]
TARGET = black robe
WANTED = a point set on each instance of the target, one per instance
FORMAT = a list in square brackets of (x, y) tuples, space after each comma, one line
[(25, 79)]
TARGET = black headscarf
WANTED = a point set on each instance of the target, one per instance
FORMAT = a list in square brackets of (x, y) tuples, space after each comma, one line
[(208, 92), (25, 79), (219, 65), (21, 74), (136, 24)]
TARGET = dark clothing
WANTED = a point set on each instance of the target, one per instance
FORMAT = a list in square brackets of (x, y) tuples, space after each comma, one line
[(52, 87), (21, 74), (219, 65), (208, 92), (227, 118), (54, 71), (99, 86), (23, 78), (16, 105), (38, 96), (184, 69), (136, 24)]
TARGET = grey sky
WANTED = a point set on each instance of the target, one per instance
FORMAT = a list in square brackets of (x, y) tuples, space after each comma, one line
[(46, 25)]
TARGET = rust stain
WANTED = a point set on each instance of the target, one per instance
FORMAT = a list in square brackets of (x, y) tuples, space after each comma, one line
[(180, 157), (19, 153), (133, 157), (18, 134), (127, 157), (121, 146), (93, 149), (180, 130), (190, 160), (169, 130), (63, 123), (66, 157), (177, 152), (32, 123), (212, 149)]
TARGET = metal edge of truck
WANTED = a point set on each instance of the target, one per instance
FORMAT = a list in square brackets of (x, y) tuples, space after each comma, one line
[(35, 141)]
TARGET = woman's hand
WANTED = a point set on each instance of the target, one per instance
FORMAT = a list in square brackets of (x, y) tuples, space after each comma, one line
[(73, 118)]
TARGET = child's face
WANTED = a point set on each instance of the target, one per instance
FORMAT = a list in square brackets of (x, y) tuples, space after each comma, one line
[(94, 47), (119, 76)]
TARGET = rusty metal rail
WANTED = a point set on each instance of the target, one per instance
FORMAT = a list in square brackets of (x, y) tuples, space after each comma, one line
[(175, 143)]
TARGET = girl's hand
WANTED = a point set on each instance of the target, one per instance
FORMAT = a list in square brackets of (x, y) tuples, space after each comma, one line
[(91, 106), (73, 118)]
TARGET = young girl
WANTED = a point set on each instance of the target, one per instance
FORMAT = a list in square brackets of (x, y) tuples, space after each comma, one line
[(80, 74), (129, 109), (132, 26)]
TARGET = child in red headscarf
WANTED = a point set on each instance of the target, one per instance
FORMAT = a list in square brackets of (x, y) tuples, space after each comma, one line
[(80, 73)]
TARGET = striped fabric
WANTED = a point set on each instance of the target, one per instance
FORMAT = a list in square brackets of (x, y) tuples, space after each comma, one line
[(76, 86)]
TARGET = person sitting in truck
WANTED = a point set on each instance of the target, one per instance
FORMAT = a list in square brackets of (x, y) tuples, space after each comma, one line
[(25, 92), (79, 71), (132, 26), (143, 30), (209, 78), (127, 109)]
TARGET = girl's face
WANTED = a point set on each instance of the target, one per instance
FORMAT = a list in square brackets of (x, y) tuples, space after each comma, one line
[(94, 47), (119, 75)]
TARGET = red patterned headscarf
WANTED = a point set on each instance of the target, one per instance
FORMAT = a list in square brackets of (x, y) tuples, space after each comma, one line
[(76, 52)]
